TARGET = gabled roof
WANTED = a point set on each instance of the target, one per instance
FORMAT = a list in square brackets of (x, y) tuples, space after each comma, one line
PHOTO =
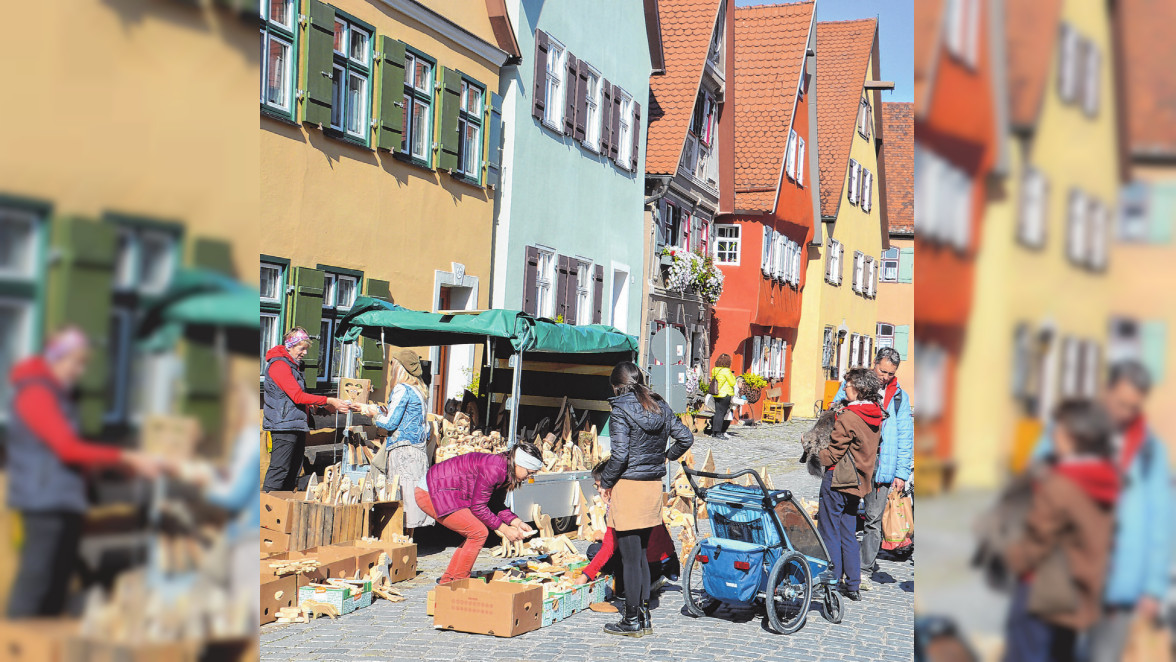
[(1150, 83), (1031, 33), (843, 53), (770, 43), (898, 147), (687, 26)]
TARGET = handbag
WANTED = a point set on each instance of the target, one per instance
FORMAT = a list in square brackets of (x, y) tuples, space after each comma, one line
[(1053, 590), (845, 472), (897, 521), (714, 387)]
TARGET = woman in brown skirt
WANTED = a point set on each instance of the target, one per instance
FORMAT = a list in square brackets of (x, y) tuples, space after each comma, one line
[(640, 425)]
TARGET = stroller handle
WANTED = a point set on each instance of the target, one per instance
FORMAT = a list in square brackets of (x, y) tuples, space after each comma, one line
[(701, 491)]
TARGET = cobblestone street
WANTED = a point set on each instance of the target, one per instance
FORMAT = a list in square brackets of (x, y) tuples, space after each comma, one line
[(877, 628)]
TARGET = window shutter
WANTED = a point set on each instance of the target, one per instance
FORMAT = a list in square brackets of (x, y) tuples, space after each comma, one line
[(492, 170), (213, 254), (854, 175), (756, 356), (389, 135), (1067, 61), (562, 286), (1076, 226), (570, 83), (1091, 91), (539, 96), (319, 65), (203, 377), (906, 265), (790, 156), (371, 364), (615, 124), (635, 129), (1091, 371), (450, 107), (830, 256), (1154, 341), (840, 259), (308, 314), (581, 98), (530, 281), (1161, 213), (84, 278), (800, 162), (606, 116), (867, 191), (870, 276), (598, 294), (766, 260), (1099, 221), (783, 358), (572, 300), (902, 335)]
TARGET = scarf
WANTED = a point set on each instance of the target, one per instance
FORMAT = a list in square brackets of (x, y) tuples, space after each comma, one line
[(870, 412), (891, 389), (1133, 438), (1096, 477)]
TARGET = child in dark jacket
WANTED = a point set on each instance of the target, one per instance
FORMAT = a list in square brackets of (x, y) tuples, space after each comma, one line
[(1061, 558)]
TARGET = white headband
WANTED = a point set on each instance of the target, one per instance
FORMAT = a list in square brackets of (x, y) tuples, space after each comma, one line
[(527, 461)]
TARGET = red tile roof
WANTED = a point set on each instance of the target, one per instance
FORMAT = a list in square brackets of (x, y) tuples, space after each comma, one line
[(687, 26), (1149, 50), (769, 53), (843, 52), (1031, 30), (898, 148)]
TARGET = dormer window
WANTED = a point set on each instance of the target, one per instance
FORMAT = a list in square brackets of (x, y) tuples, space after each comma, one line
[(715, 55)]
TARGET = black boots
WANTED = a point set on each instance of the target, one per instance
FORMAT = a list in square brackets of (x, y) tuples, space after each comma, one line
[(629, 625), (645, 618)]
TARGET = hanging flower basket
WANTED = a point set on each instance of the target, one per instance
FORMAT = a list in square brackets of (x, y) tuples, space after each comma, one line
[(693, 271), (752, 395)]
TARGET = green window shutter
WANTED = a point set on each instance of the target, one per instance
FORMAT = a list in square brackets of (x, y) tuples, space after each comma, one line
[(1155, 343), (371, 364), (1163, 213), (203, 387), (79, 293), (906, 265), (902, 334), (213, 254), (391, 94), (320, 41), (308, 314), (450, 105), (492, 168)]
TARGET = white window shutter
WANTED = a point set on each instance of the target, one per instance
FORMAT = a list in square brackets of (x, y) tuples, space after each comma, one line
[(830, 257), (1068, 62), (840, 269), (783, 359), (854, 174), (870, 277), (790, 156), (800, 162), (1099, 225), (1090, 90), (766, 260), (867, 190), (757, 356), (1076, 227)]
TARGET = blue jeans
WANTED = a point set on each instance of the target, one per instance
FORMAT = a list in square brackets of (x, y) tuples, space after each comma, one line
[(1030, 639), (837, 524)]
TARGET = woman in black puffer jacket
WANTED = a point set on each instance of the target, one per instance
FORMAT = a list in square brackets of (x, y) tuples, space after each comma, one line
[(640, 425)]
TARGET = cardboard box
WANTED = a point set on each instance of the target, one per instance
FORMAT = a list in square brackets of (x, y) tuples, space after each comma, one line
[(332, 563), (501, 609), (276, 510), (402, 557), (431, 602), (278, 592), (345, 600), (274, 542), (36, 639), (78, 649)]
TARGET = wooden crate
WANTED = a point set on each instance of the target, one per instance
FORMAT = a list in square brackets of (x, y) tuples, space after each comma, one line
[(315, 524)]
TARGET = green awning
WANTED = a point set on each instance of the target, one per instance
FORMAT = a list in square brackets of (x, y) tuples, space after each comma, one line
[(201, 297), (404, 327)]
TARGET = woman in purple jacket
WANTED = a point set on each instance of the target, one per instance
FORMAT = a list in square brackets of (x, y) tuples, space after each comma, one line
[(467, 494)]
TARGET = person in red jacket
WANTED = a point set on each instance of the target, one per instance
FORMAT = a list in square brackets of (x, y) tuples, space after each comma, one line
[(48, 465), (661, 554), (286, 409)]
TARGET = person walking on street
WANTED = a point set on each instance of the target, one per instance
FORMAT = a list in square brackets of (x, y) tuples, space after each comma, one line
[(47, 465), (1138, 571), (640, 425), (286, 409), (725, 379), (895, 454), (850, 461)]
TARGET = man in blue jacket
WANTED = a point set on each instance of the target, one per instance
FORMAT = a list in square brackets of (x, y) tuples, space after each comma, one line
[(895, 453), (1141, 550)]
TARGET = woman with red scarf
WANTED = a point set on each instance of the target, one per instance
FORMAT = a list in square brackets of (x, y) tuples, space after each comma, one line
[(850, 459)]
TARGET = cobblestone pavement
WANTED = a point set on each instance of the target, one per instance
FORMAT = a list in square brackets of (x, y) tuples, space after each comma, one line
[(877, 628)]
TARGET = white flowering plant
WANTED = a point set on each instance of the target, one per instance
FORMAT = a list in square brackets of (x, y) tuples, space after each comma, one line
[(693, 270)]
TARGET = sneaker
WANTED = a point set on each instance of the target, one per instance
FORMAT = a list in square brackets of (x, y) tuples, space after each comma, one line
[(854, 595), (725, 437)]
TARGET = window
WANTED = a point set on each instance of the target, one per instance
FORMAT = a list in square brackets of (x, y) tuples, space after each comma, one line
[(469, 127), (18, 244), (277, 57), (931, 375), (339, 292), (21, 234), (273, 290), (943, 200), (1032, 214), (592, 121), (620, 299), (962, 27), (1068, 62), (350, 79), (828, 348), (885, 334), (859, 271), (700, 152), (545, 276), (145, 260), (553, 108), (890, 259), (855, 177), (1133, 212), (418, 108), (800, 161), (625, 155), (833, 262), (867, 193), (790, 156), (16, 339), (702, 123), (865, 119), (727, 244)]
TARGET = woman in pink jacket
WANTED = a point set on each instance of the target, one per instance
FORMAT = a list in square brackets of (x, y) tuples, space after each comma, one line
[(467, 494)]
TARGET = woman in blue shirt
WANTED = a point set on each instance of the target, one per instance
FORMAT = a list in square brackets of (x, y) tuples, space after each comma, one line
[(405, 418)]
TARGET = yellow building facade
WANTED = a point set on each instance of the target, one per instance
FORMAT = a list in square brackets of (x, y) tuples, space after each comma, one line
[(1038, 328), (390, 207), (839, 309)]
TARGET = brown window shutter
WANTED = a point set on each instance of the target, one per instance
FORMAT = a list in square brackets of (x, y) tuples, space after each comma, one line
[(571, 307), (636, 131), (539, 97), (581, 131), (570, 86), (605, 115), (615, 125), (561, 287), (530, 281), (597, 294)]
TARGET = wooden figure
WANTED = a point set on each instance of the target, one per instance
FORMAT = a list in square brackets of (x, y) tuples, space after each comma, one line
[(708, 465), (358, 391), (315, 609)]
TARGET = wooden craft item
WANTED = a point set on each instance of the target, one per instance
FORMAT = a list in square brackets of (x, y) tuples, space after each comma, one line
[(358, 391), (316, 609), (708, 466)]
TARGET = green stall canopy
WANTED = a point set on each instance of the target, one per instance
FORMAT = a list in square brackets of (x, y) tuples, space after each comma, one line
[(403, 327), (202, 297)]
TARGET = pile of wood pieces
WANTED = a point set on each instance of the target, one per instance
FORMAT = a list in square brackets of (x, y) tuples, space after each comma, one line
[(554, 581), (338, 489), (298, 567), (590, 519), (809, 506), (546, 543), (564, 454), (469, 442)]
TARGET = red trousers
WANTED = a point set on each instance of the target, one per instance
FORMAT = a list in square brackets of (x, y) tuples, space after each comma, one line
[(464, 523)]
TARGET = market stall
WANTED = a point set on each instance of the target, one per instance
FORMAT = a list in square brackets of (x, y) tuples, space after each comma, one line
[(532, 369)]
